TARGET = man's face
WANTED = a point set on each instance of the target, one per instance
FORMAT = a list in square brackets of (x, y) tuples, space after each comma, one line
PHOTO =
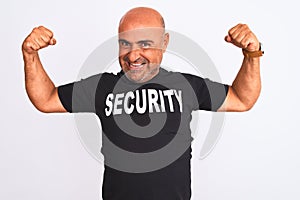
[(141, 51)]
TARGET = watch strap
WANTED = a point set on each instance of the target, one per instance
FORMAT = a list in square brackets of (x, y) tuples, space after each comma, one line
[(253, 54)]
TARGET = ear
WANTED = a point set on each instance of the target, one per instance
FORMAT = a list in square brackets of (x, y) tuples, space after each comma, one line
[(165, 42)]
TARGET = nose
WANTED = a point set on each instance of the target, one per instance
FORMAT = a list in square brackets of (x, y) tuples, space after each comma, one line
[(134, 55)]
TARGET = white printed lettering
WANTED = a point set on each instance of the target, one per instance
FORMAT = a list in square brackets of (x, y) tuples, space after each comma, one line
[(152, 98), (109, 104), (118, 101), (178, 95), (140, 109), (169, 94), (128, 110), (147, 99)]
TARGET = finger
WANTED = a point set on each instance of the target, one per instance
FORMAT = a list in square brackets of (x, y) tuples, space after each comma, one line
[(228, 38), (248, 40), (35, 46), (237, 34), (45, 38), (46, 31), (241, 39), (52, 41), (241, 36), (251, 44), (45, 34), (39, 41), (233, 30), (48, 36), (245, 42), (32, 46)]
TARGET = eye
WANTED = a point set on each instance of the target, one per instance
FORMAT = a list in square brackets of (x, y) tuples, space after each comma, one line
[(124, 44), (145, 45)]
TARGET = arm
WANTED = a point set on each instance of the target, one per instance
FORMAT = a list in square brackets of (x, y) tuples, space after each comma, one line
[(246, 87), (40, 89)]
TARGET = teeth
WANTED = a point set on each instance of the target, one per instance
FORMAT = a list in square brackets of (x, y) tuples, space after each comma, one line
[(136, 65)]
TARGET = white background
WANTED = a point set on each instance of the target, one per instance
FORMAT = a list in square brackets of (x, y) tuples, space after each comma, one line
[(41, 156)]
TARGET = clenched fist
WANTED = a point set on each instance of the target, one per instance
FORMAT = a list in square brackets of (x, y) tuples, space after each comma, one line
[(39, 38), (242, 37)]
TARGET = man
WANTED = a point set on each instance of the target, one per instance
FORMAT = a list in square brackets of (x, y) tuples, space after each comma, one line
[(143, 92)]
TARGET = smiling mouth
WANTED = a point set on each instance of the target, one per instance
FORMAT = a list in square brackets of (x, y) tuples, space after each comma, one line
[(135, 66)]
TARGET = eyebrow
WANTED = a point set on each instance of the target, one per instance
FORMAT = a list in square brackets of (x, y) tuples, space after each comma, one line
[(138, 42), (122, 40), (145, 41)]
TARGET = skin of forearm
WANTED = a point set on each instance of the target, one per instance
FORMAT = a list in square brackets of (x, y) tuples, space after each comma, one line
[(38, 85), (247, 85)]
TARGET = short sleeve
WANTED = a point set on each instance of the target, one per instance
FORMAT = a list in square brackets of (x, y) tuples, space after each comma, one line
[(79, 96), (210, 94)]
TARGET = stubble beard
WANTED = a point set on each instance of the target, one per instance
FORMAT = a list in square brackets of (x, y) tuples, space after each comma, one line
[(145, 77)]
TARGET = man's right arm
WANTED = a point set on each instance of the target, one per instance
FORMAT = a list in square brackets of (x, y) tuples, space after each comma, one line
[(40, 89)]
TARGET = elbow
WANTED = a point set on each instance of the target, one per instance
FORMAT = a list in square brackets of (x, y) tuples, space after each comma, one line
[(42, 109), (249, 103), (247, 106), (45, 111), (46, 104), (236, 102), (50, 109), (40, 106)]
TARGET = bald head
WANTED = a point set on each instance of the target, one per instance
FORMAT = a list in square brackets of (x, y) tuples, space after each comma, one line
[(142, 43), (141, 17)]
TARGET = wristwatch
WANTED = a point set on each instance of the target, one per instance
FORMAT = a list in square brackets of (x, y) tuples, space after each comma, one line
[(254, 54)]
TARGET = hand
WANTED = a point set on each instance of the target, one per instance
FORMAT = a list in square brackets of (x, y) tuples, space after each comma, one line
[(242, 37), (39, 38)]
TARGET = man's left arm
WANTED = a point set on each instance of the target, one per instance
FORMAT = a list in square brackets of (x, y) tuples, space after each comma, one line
[(245, 89)]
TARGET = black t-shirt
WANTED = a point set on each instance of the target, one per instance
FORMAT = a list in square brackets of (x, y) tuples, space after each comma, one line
[(146, 129)]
